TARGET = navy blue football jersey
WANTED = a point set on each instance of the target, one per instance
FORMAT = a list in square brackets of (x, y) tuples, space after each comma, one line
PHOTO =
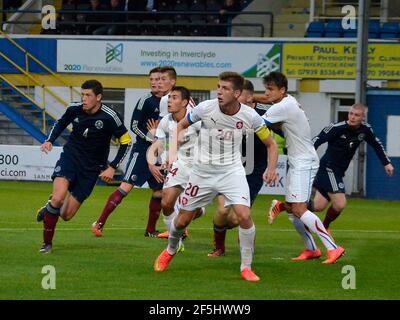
[(343, 142)]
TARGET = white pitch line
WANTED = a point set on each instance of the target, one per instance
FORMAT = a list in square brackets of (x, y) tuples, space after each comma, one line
[(137, 228)]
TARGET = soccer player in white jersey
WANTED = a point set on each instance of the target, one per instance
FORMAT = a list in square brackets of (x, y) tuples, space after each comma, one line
[(303, 166), (178, 172), (217, 167)]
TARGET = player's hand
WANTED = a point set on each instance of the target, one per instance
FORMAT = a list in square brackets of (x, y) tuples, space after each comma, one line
[(46, 147), (152, 125), (270, 177), (155, 171), (389, 169), (107, 174)]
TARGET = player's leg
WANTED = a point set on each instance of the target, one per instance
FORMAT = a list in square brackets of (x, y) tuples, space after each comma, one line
[(154, 208), (247, 234), (298, 194), (237, 194), (323, 185), (130, 179), (220, 222), (168, 201), (113, 201), (319, 203), (338, 204), (199, 192), (179, 224), (51, 212)]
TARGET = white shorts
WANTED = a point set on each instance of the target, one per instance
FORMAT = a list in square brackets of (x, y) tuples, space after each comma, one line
[(299, 184), (203, 187), (178, 175)]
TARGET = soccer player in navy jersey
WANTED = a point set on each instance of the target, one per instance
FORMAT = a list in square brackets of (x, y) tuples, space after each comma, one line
[(137, 171), (84, 156), (343, 139)]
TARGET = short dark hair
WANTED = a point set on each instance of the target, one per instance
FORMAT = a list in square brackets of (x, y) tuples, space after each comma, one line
[(94, 85), (235, 78), (185, 93), (248, 85), (170, 70), (276, 78), (154, 70)]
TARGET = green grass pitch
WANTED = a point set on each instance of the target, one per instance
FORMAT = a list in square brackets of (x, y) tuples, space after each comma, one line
[(120, 264)]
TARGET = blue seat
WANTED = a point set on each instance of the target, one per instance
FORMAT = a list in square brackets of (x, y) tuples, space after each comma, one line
[(315, 29), (390, 30), (334, 29)]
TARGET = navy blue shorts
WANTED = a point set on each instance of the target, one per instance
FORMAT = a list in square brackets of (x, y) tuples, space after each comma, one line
[(327, 181), (255, 182), (81, 181), (137, 170)]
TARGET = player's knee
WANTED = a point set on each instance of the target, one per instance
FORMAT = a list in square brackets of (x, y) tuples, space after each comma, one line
[(223, 211), (157, 194), (57, 201), (339, 206), (167, 206), (182, 222)]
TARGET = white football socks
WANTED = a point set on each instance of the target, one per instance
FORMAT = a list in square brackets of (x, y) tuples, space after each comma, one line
[(315, 225), (246, 242), (174, 237), (304, 233), (168, 219)]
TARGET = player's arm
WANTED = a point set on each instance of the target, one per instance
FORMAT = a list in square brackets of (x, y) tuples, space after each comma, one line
[(375, 143), (119, 131), (138, 116), (327, 134), (265, 136), (260, 98), (57, 129), (156, 149)]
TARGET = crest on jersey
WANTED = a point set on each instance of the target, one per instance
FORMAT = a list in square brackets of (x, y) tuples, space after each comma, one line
[(239, 125), (361, 136), (98, 124)]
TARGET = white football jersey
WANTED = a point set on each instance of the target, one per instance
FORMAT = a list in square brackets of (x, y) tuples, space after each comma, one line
[(221, 135), (186, 151), (296, 129)]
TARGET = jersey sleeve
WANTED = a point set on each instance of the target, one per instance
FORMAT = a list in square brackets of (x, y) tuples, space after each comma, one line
[(121, 132), (138, 116), (62, 124), (327, 134), (275, 114), (375, 143), (162, 129), (196, 114)]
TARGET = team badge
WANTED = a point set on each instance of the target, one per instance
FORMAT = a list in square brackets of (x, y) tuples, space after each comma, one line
[(361, 136), (57, 169), (98, 124), (239, 125)]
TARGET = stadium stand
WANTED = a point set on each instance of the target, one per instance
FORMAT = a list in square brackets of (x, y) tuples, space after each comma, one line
[(167, 17)]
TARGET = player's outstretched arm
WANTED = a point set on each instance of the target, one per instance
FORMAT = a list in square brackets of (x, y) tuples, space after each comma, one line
[(46, 147)]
